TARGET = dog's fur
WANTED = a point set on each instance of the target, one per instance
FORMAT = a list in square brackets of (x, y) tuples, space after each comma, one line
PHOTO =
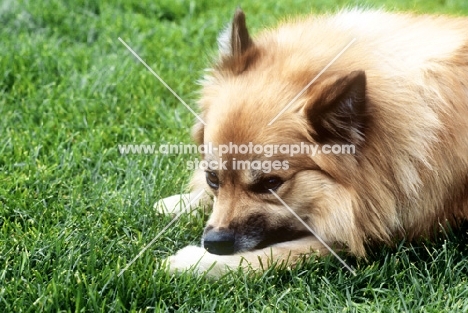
[(399, 94)]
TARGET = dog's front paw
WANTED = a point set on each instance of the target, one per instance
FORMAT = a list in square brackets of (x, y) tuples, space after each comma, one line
[(186, 258), (174, 204), (198, 260)]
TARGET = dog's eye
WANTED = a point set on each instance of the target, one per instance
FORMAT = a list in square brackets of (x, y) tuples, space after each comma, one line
[(267, 183), (212, 180), (272, 183)]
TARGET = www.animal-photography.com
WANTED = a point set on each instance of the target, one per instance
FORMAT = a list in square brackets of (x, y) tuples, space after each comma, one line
[(210, 156)]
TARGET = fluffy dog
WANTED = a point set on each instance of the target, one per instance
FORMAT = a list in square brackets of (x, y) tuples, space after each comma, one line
[(398, 94)]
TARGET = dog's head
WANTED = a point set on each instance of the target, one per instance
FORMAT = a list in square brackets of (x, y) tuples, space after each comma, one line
[(255, 103)]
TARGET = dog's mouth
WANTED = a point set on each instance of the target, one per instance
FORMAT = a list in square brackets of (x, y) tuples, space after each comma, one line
[(227, 242), (281, 236)]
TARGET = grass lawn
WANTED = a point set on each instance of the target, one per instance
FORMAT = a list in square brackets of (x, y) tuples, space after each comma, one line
[(74, 211)]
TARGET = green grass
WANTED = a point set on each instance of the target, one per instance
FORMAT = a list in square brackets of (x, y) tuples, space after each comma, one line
[(74, 211)]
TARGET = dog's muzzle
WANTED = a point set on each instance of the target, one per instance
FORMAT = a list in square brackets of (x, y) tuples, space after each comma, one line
[(219, 242)]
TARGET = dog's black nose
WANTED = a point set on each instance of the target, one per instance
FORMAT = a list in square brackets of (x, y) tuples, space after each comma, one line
[(219, 242)]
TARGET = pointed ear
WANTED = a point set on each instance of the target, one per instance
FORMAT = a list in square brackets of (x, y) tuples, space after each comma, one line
[(340, 113), (198, 133), (235, 39), (235, 46)]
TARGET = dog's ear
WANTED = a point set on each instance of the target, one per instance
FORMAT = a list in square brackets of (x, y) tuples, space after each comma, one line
[(234, 43), (235, 39), (340, 113), (198, 132)]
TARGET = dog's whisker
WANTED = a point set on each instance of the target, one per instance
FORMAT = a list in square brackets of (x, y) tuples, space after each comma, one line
[(314, 233)]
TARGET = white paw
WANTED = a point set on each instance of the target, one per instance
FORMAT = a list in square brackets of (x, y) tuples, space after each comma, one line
[(175, 204), (191, 258)]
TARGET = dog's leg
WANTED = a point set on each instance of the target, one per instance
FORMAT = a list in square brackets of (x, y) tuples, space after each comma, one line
[(213, 265), (177, 203)]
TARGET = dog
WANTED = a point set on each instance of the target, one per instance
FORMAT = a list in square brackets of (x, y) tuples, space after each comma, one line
[(392, 85)]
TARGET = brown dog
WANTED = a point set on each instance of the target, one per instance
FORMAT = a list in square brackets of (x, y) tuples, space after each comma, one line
[(398, 94)]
